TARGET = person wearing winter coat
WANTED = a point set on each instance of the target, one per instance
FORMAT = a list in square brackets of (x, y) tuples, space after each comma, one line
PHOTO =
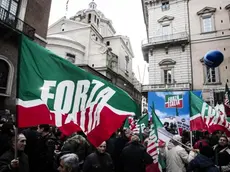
[(203, 162), (8, 163), (99, 161), (177, 157), (134, 157), (222, 154)]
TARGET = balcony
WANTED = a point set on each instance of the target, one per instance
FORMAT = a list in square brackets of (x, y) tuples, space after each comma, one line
[(164, 39), (12, 21), (181, 38), (166, 87)]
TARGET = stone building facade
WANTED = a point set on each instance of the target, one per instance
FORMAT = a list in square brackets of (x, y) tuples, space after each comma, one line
[(29, 17), (167, 49), (210, 24), (88, 40), (180, 33)]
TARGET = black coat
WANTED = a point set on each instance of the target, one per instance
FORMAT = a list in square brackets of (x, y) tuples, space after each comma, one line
[(135, 158), (97, 162), (119, 144), (46, 147), (8, 156)]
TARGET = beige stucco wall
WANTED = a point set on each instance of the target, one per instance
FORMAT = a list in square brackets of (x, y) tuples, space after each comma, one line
[(202, 43)]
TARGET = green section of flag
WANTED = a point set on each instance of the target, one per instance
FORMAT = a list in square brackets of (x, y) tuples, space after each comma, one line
[(143, 122), (126, 124), (196, 104), (157, 124), (39, 64)]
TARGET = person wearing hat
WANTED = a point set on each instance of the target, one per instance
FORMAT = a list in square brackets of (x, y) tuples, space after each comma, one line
[(176, 156)]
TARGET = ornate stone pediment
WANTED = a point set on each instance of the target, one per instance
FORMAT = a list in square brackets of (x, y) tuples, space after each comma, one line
[(227, 7), (166, 62), (165, 18), (206, 10)]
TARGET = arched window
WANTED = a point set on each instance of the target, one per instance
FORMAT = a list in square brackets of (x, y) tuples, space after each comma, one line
[(89, 18), (6, 76), (4, 72)]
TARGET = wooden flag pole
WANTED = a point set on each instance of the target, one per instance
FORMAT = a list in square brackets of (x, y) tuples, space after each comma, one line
[(15, 143)]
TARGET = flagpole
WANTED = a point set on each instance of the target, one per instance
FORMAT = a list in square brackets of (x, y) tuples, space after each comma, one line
[(191, 139), (190, 148)]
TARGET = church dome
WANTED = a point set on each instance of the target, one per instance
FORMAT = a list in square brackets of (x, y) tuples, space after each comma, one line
[(92, 7)]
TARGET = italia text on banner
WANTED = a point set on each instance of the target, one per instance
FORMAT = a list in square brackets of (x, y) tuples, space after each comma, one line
[(54, 91), (204, 117)]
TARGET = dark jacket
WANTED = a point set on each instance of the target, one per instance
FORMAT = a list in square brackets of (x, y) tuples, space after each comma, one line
[(119, 145), (202, 163), (46, 147), (135, 158), (97, 162), (8, 156)]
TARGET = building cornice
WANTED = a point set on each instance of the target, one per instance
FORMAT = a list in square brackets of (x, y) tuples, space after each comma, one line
[(109, 23), (123, 43)]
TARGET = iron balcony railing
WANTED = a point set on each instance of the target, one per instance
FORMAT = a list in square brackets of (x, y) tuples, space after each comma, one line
[(166, 38), (12, 21), (161, 87)]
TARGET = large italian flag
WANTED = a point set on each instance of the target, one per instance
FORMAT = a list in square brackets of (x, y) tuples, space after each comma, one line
[(54, 91), (204, 117)]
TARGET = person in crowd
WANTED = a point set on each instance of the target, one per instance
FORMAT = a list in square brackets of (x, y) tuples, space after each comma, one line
[(222, 154), (5, 137), (203, 162), (32, 146), (8, 163), (166, 126), (176, 156), (119, 145), (78, 145), (99, 161), (46, 147), (214, 138), (134, 156), (68, 163), (204, 141)]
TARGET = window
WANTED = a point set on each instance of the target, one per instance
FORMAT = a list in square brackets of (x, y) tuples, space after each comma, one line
[(167, 76), (165, 6), (211, 75), (63, 27), (10, 5), (97, 22), (89, 18), (70, 57), (207, 24), (95, 19), (4, 72), (6, 76), (126, 64), (11, 8), (207, 19), (107, 43), (165, 29)]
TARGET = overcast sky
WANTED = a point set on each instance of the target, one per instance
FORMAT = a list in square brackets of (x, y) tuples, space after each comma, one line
[(127, 18)]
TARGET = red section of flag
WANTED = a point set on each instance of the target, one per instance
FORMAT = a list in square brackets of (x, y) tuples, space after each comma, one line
[(152, 168), (109, 122)]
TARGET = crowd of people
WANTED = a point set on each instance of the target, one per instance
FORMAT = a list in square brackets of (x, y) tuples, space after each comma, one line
[(46, 149)]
